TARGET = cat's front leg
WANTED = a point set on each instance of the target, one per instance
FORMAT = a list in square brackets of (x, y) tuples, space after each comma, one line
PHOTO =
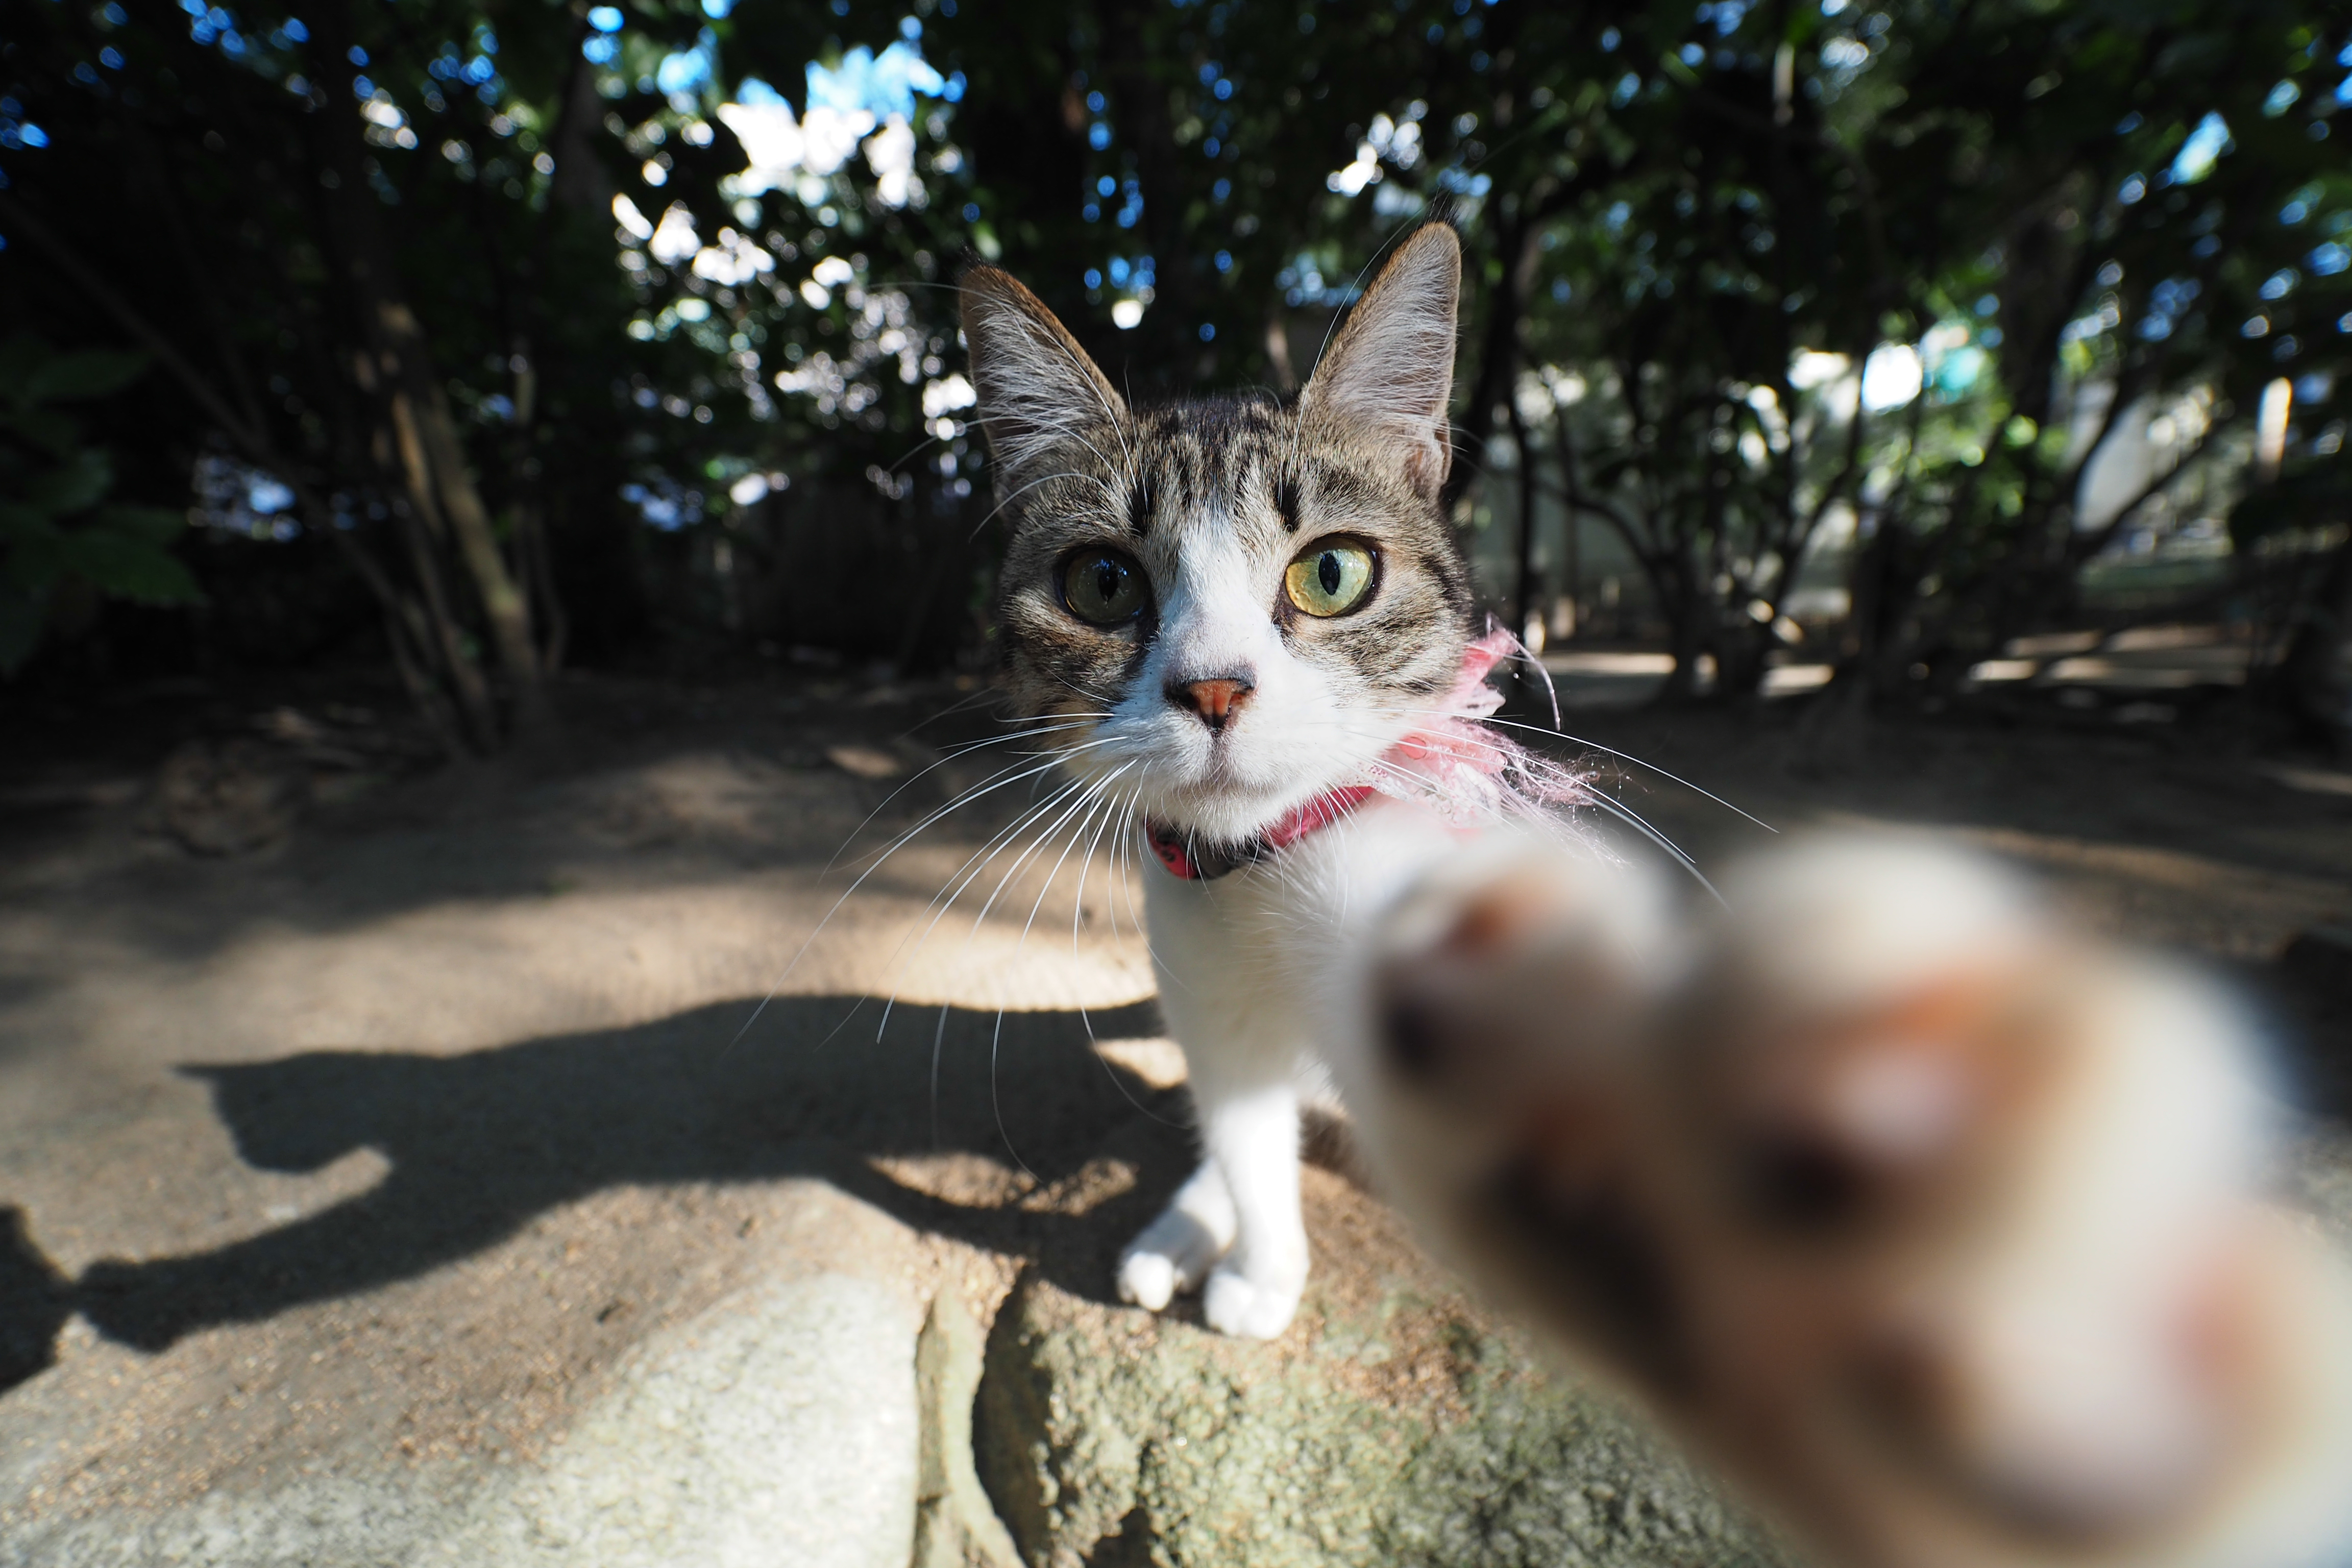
[(1174, 1253), (1252, 1138), (1233, 1229)]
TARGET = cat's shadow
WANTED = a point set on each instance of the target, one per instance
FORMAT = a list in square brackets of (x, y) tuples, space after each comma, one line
[(478, 1144)]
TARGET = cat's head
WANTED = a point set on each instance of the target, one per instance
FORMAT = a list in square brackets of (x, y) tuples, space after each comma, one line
[(1231, 605)]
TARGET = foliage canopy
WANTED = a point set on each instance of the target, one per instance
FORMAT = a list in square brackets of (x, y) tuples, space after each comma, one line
[(531, 328)]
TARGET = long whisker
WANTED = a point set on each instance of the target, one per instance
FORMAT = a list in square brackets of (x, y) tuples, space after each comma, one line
[(986, 853), (996, 1100), (1112, 810), (1132, 839), (1028, 765), (1546, 767), (954, 755), (939, 1038), (1118, 810), (1093, 791), (1099, 799), (1611, 751), (1044, 479), (969, 872), (903, 840), (1634, 819), (979, 863), (1637, 762)]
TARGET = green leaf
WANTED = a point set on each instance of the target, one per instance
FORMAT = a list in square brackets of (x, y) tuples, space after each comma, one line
[(34, 560), (22, 524), (79, 484), (53, 432), (153, 524), (22, 616), (129, 568), (20, 359), (92, 373)]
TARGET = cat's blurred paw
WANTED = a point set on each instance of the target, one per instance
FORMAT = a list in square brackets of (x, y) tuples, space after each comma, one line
[(1249, 1310), (1955, 1201)]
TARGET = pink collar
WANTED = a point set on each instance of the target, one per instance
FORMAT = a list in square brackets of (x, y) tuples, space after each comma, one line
[(1207, 862), (1450, 762)]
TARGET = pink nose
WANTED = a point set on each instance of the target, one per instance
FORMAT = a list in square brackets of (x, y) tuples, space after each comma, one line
[(1213, 701)]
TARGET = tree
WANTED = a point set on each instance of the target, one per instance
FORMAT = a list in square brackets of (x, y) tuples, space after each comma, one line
[(1750, 285)]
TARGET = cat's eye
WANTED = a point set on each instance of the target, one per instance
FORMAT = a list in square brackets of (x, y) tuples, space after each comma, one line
[(1104, 587), (1331, 579)]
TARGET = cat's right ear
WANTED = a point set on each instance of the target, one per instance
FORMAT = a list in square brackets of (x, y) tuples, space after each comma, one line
[(1038, 389)]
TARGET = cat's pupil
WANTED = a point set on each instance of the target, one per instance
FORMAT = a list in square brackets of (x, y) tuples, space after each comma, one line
[(1329, 571), (1107, 580)]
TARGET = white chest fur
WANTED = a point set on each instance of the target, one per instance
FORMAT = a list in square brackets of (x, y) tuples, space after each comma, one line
[(1249, 967)]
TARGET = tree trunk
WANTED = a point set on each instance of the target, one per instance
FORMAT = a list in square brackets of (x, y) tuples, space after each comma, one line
[(1571, 521), (1498, 353), (581, 184), (1523, 585), (2316, 672), (1685, 608), (442, 494)]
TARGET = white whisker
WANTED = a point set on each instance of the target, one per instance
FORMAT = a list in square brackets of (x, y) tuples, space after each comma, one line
[(1637, 762), (954, 755), (901, 842), (962, 877)]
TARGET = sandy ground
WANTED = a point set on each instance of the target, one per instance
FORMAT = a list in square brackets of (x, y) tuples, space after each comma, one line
[(383, 1146)]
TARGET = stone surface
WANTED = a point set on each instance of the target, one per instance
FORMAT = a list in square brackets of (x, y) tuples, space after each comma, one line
[(1394, 1423), (774, 1430), (955, 1524), (776, 1433)]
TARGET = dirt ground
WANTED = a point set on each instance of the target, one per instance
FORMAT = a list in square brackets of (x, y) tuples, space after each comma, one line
[(421, 1096)]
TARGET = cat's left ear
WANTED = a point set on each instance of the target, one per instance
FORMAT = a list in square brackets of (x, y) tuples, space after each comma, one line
[(1388, 376), (1038, 389)]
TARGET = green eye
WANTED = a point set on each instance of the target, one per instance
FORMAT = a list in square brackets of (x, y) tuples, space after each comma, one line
[(1330, 581), (1103, 587)]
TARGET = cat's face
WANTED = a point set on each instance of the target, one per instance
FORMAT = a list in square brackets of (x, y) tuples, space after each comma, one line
[(1233, 605)]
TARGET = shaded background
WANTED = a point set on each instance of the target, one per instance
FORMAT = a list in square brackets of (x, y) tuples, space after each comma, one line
[(467, 343)]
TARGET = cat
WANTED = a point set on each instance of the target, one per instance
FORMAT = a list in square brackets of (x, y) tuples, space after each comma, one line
[(1930, 1218), (1251, 627)]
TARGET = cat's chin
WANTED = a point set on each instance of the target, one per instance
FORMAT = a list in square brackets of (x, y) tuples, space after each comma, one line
[(1230, 814)]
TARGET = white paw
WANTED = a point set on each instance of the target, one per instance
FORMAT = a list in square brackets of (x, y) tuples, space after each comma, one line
[(1247, 1309), (1147, 1280), (1173, 1255)]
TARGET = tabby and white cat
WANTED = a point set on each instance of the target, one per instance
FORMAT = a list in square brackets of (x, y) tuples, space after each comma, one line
[(1926, 1217), (1243, 609)]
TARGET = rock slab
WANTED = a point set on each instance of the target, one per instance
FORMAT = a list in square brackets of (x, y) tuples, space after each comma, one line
[(1393, 1424), (777, 1429)]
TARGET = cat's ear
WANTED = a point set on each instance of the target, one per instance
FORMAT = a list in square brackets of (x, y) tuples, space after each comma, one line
[(1388, 377), (1038, 390)]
